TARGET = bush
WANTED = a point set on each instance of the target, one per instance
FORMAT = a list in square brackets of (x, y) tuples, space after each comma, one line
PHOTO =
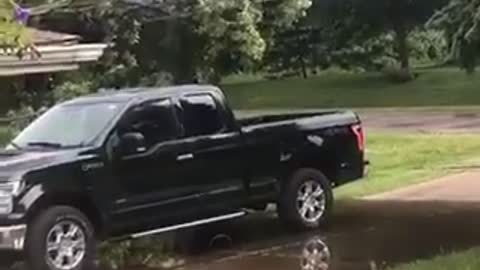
[(70, 90), (23, 116), (20, 119), (398, 75), (146, 252), (5, 135)]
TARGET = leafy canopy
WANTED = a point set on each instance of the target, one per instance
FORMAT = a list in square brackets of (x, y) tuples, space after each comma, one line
[(13, 35)]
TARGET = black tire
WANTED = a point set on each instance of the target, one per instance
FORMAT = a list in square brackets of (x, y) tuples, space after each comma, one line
[(39, 228), (288, 205)]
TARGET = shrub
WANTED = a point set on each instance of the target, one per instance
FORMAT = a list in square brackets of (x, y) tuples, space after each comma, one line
[(397, 74), (5, 135), (20, 119), (149, 251), (69, 90)]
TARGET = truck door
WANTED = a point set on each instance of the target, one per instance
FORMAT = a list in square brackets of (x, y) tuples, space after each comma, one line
[(217, 152), (152, 182)]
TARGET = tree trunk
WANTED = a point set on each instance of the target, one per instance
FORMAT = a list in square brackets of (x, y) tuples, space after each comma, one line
[(303, 67), (468, 55), (401, 38)]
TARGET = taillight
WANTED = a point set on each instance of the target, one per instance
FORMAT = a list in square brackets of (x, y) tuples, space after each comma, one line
[(359, 136)]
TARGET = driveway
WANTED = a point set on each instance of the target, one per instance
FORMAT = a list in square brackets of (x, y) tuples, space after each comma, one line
[(378, 231), (365, 235)]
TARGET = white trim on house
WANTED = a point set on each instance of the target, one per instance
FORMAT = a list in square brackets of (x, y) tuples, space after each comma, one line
[(53, 59)]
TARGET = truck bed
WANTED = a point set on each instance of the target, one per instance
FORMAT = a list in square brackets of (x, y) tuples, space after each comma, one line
[(304, 121)]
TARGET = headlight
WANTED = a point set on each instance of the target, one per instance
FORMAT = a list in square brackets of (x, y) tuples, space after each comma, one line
[(8, 191), (13, 188), (6, 204)]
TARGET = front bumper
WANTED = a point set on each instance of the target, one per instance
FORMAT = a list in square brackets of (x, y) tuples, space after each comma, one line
[(13, 237)]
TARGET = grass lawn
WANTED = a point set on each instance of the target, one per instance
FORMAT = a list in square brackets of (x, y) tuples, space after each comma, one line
[(468, 260), (434, 87), (399, 160)]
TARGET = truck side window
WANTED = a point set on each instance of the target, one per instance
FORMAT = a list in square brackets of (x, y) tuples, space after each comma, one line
[(201, 116), (155, 120)]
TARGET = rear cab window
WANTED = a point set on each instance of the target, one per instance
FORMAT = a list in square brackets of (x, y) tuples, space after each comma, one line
[(201, 115)]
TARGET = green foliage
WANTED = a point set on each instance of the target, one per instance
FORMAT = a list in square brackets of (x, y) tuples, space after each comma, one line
[(460, 19), (428, 46), (69, 90), (14, 37), (230, 24), (146, 252), (20, 118), (5, 135), (352, 32), (189, 39)]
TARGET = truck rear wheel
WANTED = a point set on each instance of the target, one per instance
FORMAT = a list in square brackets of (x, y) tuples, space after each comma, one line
[(306, 200), (60, 238)]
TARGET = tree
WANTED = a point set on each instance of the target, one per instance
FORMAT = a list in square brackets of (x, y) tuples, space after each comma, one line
[(362, 32), (14, 37), (460, 19), (400, 17), (186, 38)]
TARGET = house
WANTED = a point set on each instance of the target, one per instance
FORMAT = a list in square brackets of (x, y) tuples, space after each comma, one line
[(54, 52), (57, 52)]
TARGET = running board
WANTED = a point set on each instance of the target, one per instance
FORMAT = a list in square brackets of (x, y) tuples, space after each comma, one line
[(188, 225)]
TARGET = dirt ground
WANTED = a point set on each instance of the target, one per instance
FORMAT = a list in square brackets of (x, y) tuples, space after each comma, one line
[(422, 121)]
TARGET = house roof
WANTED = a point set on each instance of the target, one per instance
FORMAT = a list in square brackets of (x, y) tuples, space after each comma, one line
[(56, 52), (43, 37)]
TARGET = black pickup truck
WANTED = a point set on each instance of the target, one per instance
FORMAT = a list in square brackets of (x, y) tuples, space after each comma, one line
[(136, 162)]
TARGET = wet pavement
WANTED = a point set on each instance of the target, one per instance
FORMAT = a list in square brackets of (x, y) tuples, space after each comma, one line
[(370, 235), (364, 235)]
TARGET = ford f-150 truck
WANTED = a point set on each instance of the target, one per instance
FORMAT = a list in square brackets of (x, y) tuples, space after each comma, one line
[(136, 162)]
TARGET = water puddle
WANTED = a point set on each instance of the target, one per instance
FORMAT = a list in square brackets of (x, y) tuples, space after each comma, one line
[(363, 236)]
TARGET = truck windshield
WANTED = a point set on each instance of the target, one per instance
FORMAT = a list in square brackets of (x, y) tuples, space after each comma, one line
[(68, 125)]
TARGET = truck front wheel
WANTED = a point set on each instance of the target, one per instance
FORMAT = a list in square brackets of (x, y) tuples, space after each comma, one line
[(306, 200), (60, 238)]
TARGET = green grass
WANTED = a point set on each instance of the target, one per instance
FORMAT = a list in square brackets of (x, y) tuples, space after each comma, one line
[(400, 160), (468, 260), (434, 87)]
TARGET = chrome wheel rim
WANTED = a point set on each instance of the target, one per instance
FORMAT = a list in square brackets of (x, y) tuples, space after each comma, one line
[(66, 245), (316, 255), (311, 201)]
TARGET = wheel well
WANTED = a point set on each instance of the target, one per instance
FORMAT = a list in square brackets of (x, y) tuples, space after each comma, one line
[(321, 165), (78, 201)]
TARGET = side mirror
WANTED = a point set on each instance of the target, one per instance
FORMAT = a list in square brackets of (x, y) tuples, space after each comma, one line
[(133, 143)]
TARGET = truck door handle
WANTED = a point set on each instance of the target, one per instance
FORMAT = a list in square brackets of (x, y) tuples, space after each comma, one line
[(185, 157)]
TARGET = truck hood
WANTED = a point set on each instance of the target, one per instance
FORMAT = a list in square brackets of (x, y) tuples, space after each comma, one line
[(18, 162)]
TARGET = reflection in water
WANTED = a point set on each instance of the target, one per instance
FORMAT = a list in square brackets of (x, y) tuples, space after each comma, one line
[(316, 255)]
